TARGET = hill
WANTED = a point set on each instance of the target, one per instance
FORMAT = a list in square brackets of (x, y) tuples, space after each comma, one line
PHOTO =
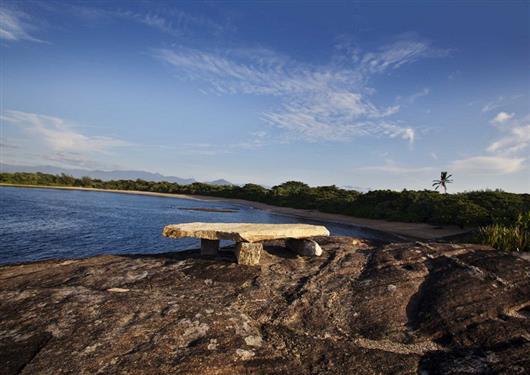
[(106, 175)]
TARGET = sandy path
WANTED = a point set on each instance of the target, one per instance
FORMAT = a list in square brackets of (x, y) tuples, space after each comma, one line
[(421, 231)]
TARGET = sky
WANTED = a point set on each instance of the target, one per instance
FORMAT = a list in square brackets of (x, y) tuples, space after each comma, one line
[(366, 94)]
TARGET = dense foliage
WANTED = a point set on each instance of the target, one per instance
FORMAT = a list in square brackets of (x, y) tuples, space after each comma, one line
[(515, 237), (463, 209)]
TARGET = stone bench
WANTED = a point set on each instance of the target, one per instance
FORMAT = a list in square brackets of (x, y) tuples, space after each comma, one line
[(248, 237)]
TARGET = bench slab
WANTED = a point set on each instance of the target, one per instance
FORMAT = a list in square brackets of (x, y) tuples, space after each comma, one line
[(244, 232)]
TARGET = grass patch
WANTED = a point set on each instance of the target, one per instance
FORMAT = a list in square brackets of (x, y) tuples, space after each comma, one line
[(508, 238)]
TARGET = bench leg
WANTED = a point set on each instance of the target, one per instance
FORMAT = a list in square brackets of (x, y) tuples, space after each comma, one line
[(209, 247), (248, 253)]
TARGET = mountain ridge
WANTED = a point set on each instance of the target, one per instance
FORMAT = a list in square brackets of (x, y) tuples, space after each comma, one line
[(107, 175)]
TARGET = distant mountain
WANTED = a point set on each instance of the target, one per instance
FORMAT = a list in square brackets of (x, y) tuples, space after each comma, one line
[(219, 182), (360, 189), (106, 175)]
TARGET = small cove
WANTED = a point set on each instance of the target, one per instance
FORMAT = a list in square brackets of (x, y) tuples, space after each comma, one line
[(38, 224)]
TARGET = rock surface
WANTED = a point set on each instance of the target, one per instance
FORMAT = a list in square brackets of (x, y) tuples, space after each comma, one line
[(248, 253), (360, 308), (243, 232), (304, 247)]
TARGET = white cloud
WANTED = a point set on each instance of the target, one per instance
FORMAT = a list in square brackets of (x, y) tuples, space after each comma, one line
[(14, 26), (327, 102), (517, 140), (59, 134), (399, 53), (413, 97), (164, 18), (394, 131), (489, 165), (493, 104), (391, 167), (502, 117), (58, 140), (172, 21), (499, 101), (253, 141), (507, 157)]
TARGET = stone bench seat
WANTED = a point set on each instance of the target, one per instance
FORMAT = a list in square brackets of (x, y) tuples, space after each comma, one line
[(247, 236)]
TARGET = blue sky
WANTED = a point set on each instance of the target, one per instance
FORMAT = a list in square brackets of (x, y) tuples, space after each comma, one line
[(367, 94)]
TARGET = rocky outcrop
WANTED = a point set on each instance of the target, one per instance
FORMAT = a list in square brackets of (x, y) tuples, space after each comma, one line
[(408, 308)]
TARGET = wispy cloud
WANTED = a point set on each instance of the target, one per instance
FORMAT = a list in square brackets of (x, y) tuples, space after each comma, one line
[(173, 21), (517, 139), (391, 166), (499, 101), (327, 102), (410, 99), (502, 117), (162, 17), (488, 165), (255, 140), (15, 25), (494, 104), (507, 154), (59, 134), (398, 53), (59, 140)]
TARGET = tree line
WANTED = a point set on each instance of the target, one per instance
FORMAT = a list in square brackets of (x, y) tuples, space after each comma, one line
[(474, 208)]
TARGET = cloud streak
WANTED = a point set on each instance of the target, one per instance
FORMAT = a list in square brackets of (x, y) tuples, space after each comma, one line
[(507, 154), (391, 167), (327, 102), (412, 98), (517, 139), (59, 139), (162, 17), (399, 53), (15, 26), (502, 117), (172, 21), (59, 134), (488, 165)]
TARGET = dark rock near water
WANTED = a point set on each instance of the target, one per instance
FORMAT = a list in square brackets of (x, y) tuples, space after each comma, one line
[(206, 209), (408, 308)]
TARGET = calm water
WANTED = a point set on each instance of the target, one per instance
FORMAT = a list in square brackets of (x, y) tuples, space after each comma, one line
[(38, 224)]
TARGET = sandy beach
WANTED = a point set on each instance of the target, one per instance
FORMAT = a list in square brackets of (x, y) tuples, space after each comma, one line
[(420, 231)]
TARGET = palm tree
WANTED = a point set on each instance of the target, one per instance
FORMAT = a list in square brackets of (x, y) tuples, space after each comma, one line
[(444, 179)]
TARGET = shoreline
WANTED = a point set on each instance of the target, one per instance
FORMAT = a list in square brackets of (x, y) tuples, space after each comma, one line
[(403, 230)]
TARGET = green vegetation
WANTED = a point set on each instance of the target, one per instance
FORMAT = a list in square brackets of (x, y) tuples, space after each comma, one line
[(508, 237), (470, 209)]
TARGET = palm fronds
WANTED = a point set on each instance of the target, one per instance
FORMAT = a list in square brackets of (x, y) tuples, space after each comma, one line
[(443, 181)]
